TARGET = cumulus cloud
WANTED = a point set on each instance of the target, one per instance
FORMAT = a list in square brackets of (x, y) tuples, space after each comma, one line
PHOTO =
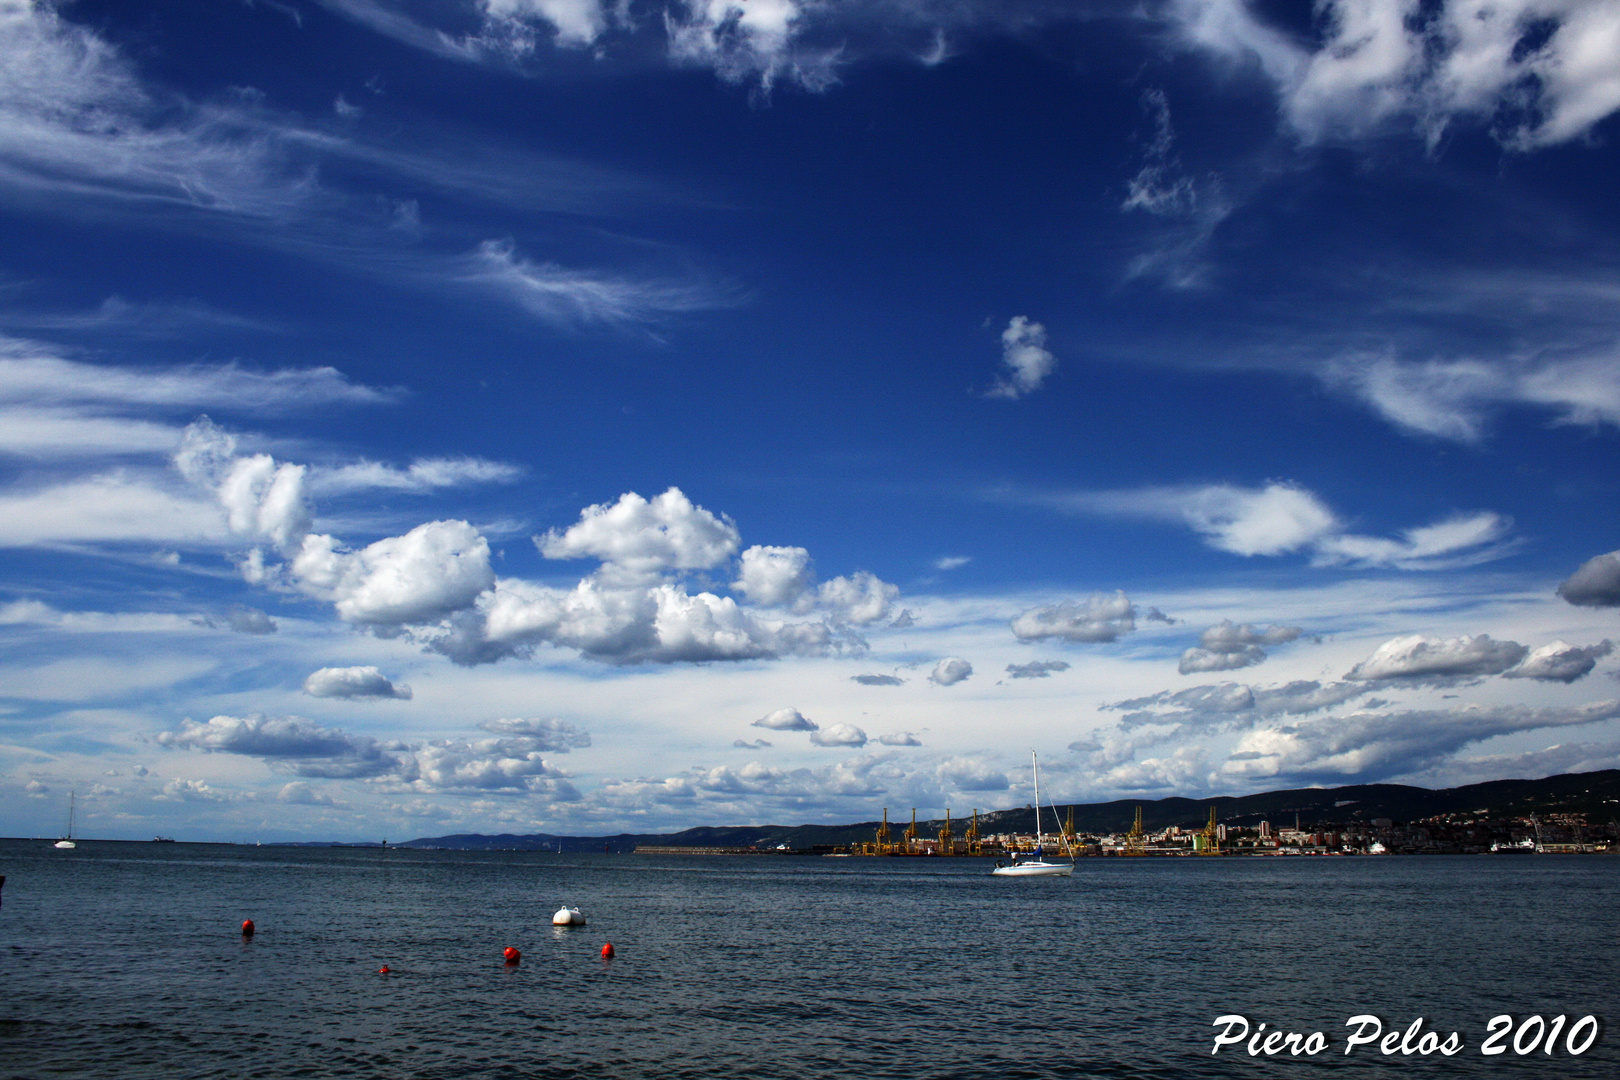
[(785, 577), (950, 671), (878, 680), (1560, 662), (1203, 708), (1596, 583), (744, 744), (1418, 659), (774, 576), (1024, 358), (1283, 518), (1038, 669), (354, 682), (299, 793), (838, 735), (1225, 647), (179, 790), (1371, 746), (1535, 71), (506, 763), (640, 539), (555, 736), (302, 747), (1099, 619), (971, 774), (899, 738), (788, 719), (247, 620), (434, 570)]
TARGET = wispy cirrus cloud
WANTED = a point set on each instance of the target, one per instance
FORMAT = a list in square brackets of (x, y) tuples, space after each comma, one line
[(1283, 518), (1536, 72)]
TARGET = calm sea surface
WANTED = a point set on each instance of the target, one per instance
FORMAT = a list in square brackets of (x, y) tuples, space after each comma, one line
[(125, 960)]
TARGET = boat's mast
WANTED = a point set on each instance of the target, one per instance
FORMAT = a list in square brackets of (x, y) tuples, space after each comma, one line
[(1035, 767), (71, 794)]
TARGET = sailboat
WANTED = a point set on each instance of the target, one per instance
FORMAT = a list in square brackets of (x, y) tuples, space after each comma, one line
[(1035, 864), (67, 841)]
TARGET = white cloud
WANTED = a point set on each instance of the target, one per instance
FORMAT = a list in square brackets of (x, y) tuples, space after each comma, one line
[(838, 735), (747, 39), (514, 764), (1025, 358), (434, 570), (302, 747), (971, 774), (1370, 746), (179, 790), (1100, 619), (788, 719), (952, 562), (576, 23), (774, 576), (114, 507), (950, 671), (354, 682), (1416, 658), (1595, 584), (32, 375), (1560, 662), (422, 475), (1038, 669), (878, 680), (571, 297), (1455, 399), (299, 793), (640, 539), (1225, 647), (1283, 518), (1541, 71), (899, 738), (757, 744), (784, 577)]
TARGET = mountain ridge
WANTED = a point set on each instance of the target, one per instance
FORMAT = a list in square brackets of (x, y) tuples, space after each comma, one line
[(1593, 793)]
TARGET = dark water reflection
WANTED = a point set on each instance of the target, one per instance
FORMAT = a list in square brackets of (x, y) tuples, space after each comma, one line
[(125, 960)]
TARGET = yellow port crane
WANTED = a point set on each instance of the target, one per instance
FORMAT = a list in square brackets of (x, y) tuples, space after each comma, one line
[(1070, 837), (945, 836), (1136, 839), (883, 847), (974, 845), (911, 834), (1211, 838)]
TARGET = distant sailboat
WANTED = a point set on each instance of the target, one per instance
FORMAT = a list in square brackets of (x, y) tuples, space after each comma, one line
[(67, 841), (1035, 864)]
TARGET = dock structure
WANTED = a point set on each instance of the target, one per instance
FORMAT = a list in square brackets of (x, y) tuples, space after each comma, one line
[(1136, 839), (1208, 842)]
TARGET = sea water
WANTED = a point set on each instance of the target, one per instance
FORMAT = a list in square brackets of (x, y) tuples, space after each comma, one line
[(126, 960)]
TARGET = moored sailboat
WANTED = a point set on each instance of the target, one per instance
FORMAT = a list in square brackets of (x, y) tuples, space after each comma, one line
[(1034, 864), (67, 841)]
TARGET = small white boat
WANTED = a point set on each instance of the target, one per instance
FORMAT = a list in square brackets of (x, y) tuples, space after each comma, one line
[(66, 843), (1034, 864), (567, 916)]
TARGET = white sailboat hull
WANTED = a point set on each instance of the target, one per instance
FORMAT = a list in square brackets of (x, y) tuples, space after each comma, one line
[(65, 844), (1034, 869)]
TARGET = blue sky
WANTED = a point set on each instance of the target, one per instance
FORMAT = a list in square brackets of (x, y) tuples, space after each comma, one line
[(576, 416)]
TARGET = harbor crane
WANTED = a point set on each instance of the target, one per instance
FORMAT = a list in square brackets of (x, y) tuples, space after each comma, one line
[(1136, 839)]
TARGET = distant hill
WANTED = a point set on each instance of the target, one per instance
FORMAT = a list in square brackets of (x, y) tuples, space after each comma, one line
[(1595, 794)]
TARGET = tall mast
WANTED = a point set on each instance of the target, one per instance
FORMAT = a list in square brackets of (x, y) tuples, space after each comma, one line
[(1035, 767)]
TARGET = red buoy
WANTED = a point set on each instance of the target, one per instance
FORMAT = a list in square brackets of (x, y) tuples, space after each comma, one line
[(383, 970), (607, 951), (247, 927), (512, 955)]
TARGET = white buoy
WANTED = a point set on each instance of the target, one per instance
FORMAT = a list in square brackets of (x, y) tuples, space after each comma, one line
[(567, 916)]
